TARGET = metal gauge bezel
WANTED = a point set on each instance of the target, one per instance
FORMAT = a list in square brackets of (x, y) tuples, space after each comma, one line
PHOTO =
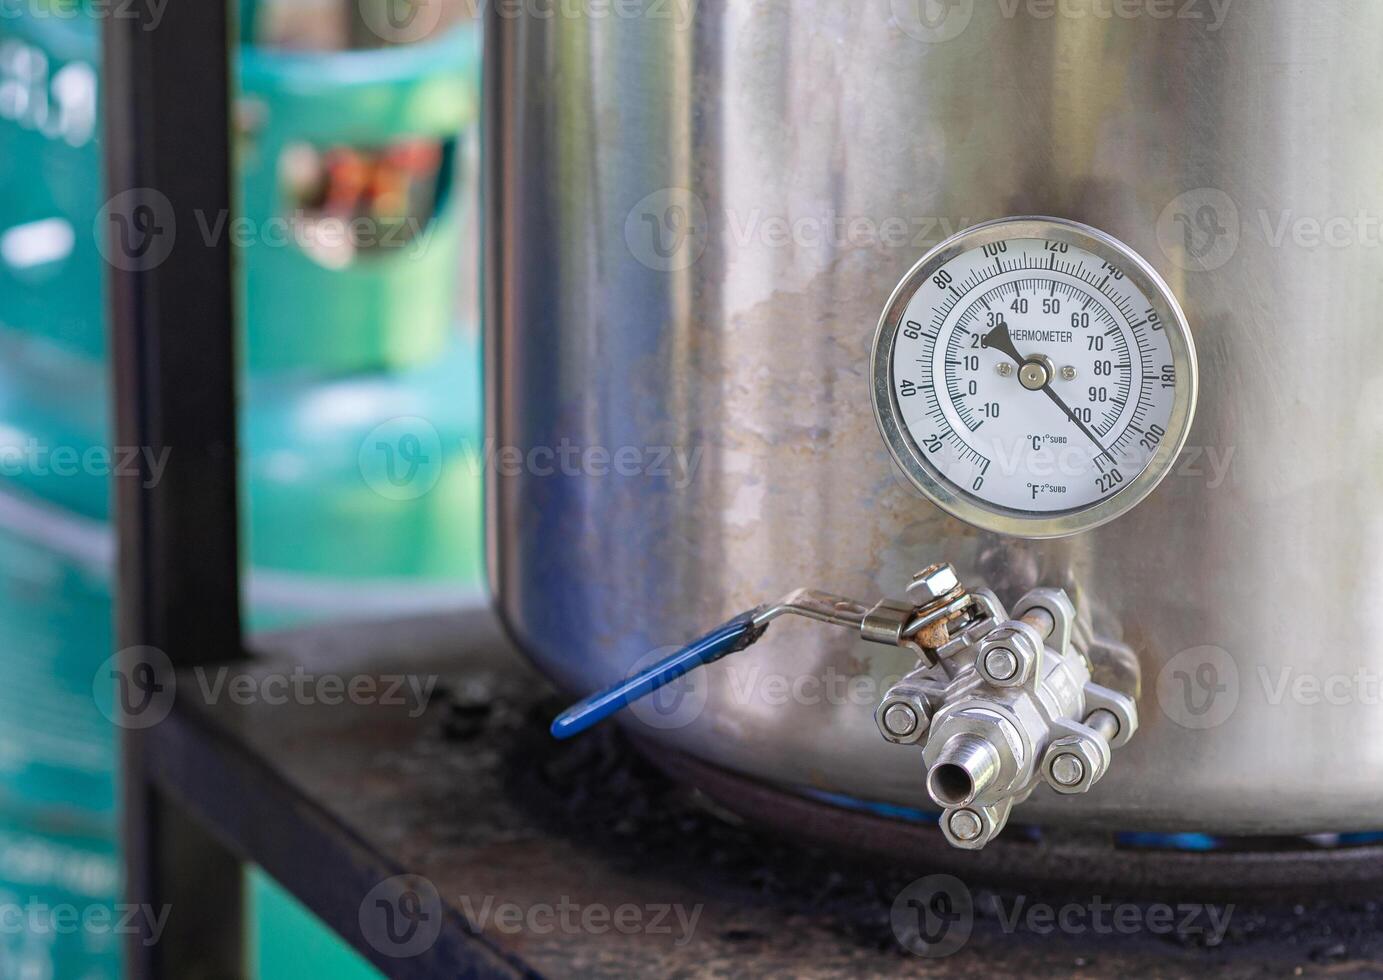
[(969, 508)]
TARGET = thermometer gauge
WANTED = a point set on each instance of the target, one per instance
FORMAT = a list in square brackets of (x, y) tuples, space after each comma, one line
[(1034, 377)]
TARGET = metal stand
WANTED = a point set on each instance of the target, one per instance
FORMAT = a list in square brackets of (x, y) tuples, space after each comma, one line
[(167, 129), (458, 840)]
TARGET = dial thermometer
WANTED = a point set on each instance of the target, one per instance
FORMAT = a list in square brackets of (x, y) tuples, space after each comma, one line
[(1034, 377)]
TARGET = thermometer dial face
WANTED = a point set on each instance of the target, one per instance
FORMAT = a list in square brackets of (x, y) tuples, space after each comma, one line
[(1034, 376)]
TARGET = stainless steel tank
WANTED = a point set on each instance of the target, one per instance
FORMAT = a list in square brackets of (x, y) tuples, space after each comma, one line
[(696, 215)]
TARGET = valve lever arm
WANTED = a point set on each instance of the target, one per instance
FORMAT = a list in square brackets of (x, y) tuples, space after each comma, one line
[(730, 637)]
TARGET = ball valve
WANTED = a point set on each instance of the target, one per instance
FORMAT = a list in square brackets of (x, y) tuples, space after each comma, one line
[(998, 702)]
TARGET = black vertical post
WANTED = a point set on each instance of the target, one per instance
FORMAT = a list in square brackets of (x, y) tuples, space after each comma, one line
[(167, 104)]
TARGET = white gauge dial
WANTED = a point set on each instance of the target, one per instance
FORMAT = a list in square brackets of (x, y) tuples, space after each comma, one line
[(1034, 376)]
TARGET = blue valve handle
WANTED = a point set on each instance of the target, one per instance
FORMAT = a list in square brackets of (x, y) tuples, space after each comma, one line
[(728, 638)]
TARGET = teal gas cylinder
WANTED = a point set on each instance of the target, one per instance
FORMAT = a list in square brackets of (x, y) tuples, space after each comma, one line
[(363, 498), (350, 168), (57, 750), (353, 476), (52, 876), (50, 180), (317, 128), (360, 413)]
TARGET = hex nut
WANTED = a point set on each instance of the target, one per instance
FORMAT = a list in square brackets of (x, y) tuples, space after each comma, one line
[(932, 583), (1092, 764), (1068, 769), (965, 824), (886, 717), (1013, 649), (974, 718), (1000, 663), (972, 827), (900, 719)]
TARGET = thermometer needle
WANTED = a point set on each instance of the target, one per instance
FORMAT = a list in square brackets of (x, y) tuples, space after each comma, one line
[(1000, 340)]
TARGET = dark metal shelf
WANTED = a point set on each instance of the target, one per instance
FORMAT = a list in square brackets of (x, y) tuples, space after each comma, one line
[(473, 798)]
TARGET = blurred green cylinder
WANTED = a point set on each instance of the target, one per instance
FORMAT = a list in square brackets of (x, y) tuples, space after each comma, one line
[(47, 873), (386, 309), (360, 415), (362, 498)]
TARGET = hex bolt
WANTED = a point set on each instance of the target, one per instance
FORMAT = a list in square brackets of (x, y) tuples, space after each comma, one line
[(933, 583), (1000, 663), (1105, 722), (900, 720), (1070, 768), (1040, 620), (1009, 655), (1067, 769), (965, 824)]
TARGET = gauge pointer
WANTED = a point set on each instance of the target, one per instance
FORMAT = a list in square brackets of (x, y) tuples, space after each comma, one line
[(1072, 416), (1000, 340)]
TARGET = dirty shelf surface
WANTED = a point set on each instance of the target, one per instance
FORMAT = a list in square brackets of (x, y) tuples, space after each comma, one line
[(523, 856)]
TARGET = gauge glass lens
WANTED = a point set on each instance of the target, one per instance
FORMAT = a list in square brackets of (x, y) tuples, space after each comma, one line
[(1035, 375)]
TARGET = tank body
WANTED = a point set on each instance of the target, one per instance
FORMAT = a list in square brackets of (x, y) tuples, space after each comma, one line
[(695, 216)]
